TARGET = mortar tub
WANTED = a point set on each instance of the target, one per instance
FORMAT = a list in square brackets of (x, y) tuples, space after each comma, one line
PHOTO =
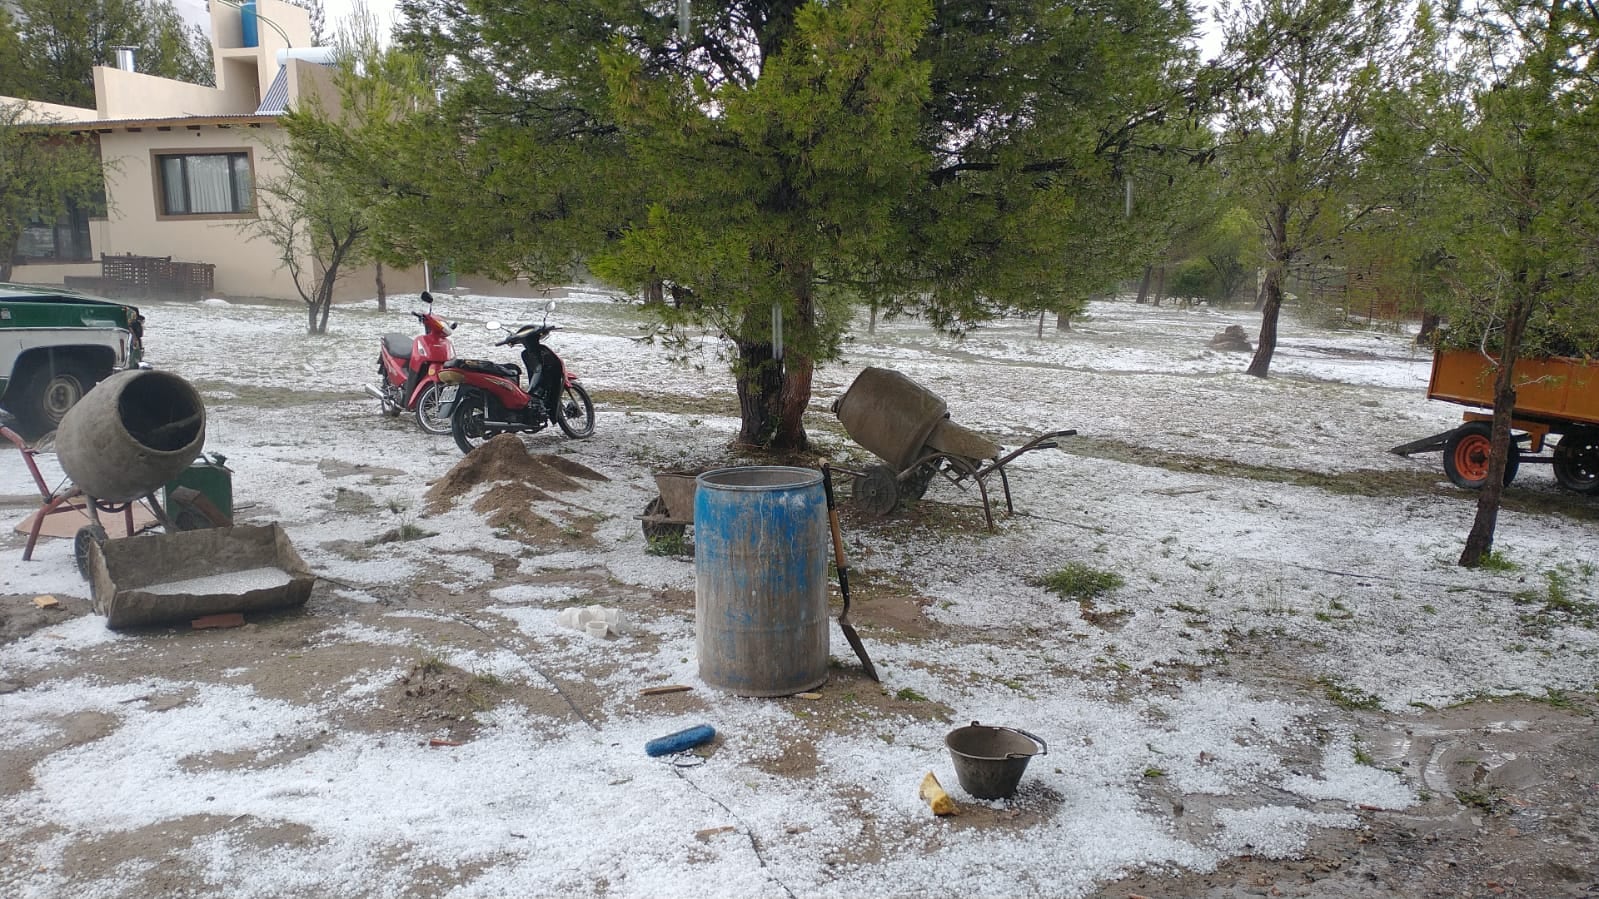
[(890, 415), (161, 578), (132, 433), (760, 571), (989, 761)]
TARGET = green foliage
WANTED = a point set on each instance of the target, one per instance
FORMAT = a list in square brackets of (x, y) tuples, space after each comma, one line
[(943, 159), (1080, 582), (1303, 141), (39, 174), (62, 41)]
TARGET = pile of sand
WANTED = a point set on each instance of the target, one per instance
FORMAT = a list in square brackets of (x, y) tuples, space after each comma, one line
[(519, 480)]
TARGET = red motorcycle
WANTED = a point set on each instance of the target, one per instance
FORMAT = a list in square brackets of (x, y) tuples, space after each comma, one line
[(486, 399), (410, 371)]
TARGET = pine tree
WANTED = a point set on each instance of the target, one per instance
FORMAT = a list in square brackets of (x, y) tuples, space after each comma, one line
[(951, 159)]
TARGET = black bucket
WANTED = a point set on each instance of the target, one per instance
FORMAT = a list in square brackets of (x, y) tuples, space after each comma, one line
[(989, 761)]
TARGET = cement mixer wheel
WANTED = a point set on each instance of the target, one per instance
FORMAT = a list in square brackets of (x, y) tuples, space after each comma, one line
[(86, 535), (875, 492)]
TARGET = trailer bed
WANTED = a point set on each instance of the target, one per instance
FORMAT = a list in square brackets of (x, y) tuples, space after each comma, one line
[(1554, 390)]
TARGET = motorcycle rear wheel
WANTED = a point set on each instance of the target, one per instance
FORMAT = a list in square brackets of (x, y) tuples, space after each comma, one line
[(427, 409), (466, 425), (575, 412)]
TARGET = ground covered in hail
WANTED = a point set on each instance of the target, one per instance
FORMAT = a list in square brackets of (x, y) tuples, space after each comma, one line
[(1233, 618)]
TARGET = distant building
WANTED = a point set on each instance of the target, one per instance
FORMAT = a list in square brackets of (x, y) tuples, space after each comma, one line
[(182, 161)]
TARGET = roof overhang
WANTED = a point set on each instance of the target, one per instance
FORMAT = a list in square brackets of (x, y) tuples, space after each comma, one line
[(177, 123)]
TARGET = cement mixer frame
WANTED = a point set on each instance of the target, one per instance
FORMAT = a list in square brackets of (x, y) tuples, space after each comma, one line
[(194, 509)]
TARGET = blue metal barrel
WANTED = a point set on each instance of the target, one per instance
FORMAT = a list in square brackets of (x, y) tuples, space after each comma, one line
[(760, 567)]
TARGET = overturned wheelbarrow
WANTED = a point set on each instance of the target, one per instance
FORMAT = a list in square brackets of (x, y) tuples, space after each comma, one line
[(908, 427), (667, 517)]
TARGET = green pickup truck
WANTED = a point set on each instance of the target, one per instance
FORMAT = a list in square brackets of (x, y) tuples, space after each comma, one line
[(56, 344)]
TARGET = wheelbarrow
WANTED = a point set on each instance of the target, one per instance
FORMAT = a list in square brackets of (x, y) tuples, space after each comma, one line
[(666, 517), (908, 427)]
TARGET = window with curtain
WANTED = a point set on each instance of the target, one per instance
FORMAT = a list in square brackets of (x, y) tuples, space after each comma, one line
[(205, 184)]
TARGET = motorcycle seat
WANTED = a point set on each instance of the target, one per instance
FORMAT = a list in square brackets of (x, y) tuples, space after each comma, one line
[(397, 345), (486, 367)]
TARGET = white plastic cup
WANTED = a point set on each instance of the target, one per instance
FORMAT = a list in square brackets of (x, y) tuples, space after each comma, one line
[(596, 628), (568, 617), (611, 616)]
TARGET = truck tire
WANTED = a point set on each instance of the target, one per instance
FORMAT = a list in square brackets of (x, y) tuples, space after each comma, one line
[(1466, 456), (1576, 461), (47, 389)]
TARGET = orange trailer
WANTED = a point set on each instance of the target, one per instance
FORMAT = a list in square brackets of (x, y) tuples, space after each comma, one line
[(1556, 396)]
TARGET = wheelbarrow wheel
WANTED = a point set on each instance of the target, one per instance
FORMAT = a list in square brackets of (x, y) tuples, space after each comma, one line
[(89, 534), (658, 531), (875, 492)]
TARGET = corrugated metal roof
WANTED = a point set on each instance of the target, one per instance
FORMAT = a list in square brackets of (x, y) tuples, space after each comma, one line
[(277, 96)]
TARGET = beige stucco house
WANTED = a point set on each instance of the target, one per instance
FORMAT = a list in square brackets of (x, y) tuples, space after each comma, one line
[(182, 161)]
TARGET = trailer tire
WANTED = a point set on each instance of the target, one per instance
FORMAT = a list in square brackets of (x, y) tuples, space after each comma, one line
[(1466, 456), (1576, 461)]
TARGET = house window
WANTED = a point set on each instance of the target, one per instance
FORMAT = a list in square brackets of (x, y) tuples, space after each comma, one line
[(205, 184), (66, 240)]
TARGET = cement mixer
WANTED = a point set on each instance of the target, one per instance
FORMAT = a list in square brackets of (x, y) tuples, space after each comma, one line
[(134, 433)]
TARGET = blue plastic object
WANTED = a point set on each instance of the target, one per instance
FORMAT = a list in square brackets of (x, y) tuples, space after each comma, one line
[(247, 24), (682, 741)]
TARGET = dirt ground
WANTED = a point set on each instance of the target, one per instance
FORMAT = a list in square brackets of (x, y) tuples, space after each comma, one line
[(1510, 788)]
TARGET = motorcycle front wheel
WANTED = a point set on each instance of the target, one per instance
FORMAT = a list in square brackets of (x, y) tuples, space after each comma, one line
[(575, 412), (466, 425), (427, 411)]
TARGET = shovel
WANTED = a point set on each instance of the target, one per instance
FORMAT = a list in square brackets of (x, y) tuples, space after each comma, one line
[(843, 578)]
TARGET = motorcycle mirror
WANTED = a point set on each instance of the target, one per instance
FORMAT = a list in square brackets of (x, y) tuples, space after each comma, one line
[(427, 298), (493, 326), (549, 306)]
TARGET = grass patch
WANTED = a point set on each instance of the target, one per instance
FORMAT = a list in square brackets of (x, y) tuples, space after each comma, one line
[(1349, 697), (670, 544), (906, 694), (1080, 582), (1494, 560)]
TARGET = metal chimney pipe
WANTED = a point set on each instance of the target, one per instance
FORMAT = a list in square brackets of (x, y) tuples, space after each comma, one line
[(125, 58)]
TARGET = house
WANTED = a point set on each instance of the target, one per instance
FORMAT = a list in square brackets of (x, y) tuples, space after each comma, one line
[(182, 161)]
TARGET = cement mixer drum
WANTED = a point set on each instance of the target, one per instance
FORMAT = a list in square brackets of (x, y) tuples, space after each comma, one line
[(132, 433)]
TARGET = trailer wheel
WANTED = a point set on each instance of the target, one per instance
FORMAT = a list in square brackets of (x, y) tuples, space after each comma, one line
[(1466, 456), (1576, 461)]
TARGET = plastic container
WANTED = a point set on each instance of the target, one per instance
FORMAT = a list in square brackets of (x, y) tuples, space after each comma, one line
[(682, 741), (760, 569)]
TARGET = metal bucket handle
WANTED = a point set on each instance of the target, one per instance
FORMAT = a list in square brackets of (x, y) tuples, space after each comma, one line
[(1043, 748)]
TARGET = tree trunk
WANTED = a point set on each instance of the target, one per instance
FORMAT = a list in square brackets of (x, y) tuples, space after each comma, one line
[(871, 323), (1160, 283), (1429, 325), (310, 317), (1260, 365), (1041, 313), (1481, 538), (773, 395), (383, 292), (1143, 285)]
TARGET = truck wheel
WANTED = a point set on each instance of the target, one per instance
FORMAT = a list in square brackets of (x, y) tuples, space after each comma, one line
[(1576, 461), (47, 391), (1466, 456)]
